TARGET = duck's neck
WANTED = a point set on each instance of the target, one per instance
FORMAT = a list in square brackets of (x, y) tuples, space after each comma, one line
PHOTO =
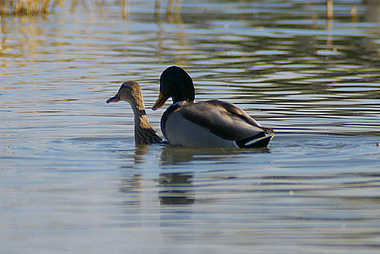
[(141, 119), (182, 103), (144, 132)]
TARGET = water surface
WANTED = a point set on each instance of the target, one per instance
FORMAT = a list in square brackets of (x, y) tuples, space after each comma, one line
[(72, 179)]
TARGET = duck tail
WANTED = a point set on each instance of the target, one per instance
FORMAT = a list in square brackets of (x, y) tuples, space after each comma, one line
[(257, 141)]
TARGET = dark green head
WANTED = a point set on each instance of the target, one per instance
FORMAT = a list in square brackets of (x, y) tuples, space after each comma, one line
[(177, 84)]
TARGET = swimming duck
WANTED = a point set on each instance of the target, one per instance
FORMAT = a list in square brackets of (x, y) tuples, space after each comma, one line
[(144, 133), (210, 123)]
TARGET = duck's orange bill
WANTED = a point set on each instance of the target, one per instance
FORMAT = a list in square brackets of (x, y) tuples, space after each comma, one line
[(160, 102), (116, 98)]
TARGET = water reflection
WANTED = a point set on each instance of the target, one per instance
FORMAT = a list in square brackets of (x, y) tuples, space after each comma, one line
[(175, 186), (179, 155), (372, 11), (176, 189), (71, 172)]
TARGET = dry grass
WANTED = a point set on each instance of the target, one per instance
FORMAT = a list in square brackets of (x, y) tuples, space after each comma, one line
[(43, 7), (20, 7)]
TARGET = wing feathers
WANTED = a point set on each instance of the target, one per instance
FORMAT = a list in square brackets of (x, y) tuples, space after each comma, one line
[(223, 119)]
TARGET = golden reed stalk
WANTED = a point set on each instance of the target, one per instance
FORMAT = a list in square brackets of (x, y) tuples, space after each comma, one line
[(20, 7)]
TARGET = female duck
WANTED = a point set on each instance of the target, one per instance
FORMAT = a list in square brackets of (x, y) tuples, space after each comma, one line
[(144, 133), (211, 123)]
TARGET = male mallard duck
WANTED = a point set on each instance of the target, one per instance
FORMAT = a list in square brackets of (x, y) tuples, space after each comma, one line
[(144, 133), (211, 123)]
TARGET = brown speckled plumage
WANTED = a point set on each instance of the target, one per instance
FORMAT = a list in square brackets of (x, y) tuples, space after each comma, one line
[(144, 133)]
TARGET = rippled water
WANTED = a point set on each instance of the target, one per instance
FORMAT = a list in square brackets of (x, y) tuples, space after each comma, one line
[(72, 180)]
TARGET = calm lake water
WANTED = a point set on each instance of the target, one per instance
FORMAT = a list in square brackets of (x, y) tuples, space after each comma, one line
[(72, 180)]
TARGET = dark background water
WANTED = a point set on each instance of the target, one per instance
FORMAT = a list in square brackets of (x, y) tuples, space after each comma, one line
[(72, 179)]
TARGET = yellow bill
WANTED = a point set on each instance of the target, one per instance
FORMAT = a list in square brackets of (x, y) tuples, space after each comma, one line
[(160, 102)]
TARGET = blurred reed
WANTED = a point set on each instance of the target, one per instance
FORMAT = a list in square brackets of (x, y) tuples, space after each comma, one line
[(20, 7), (42, 7)]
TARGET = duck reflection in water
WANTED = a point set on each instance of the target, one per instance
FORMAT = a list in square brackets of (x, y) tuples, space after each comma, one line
[(173, 189), (176, 189)]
